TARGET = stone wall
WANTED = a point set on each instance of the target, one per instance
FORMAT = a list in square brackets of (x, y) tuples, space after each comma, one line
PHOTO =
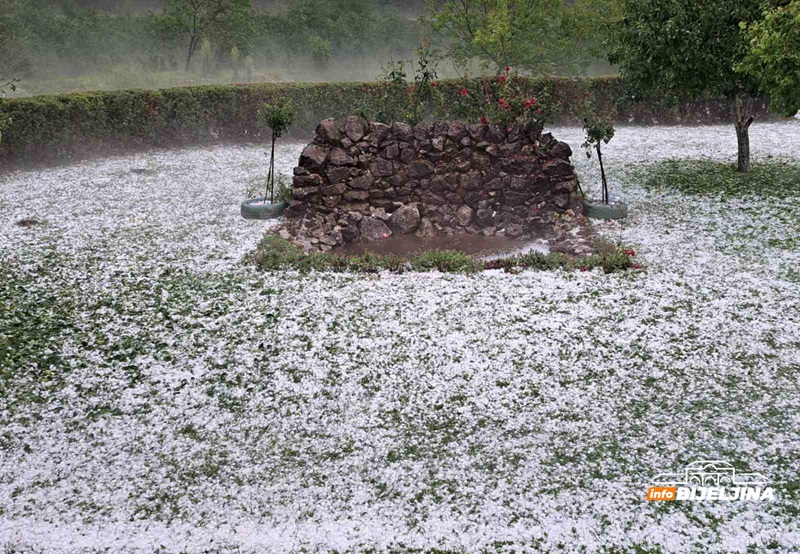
[(368, 181)]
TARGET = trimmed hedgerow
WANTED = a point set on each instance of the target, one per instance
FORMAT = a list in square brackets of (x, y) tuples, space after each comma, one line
[(43, 128), (274, 253)]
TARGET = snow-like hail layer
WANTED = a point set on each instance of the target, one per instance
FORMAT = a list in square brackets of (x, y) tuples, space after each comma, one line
[(204, 406)]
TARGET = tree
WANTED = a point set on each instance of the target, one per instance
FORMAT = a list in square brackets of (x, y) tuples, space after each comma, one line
[(686, 49), (278, 117), (535, 36), (201, 19), (599, 130), (358, 27), (773, 58), (8, 48), (14, 57)]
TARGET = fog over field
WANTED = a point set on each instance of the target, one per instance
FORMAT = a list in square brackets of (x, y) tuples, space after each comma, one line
[(79, 45), (408, 7)]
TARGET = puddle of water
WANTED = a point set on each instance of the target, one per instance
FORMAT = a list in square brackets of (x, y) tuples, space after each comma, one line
[(477, 245)]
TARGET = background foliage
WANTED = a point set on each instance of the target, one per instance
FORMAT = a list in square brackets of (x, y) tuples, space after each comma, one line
[(74, 125), (773, 57), (46, 39), (683, 48), (537, 37)]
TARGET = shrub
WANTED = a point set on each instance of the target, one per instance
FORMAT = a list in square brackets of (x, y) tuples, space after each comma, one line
[(505, 99), (236, 58), (599, 129), (62, 126), (249, 67), (279, 118), (321, 51)]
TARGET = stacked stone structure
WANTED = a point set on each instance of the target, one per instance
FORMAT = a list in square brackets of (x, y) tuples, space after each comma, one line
[(360, 181)]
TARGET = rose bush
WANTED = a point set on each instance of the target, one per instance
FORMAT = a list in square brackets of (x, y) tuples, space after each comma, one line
[(500, 99)]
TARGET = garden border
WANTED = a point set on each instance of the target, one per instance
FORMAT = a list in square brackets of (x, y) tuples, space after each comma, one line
[(62, 127)]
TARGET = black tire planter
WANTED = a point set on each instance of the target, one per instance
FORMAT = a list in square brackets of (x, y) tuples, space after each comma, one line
[(615, 210), (251, 210)]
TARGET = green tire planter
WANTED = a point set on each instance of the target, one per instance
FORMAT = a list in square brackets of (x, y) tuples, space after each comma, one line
[(616, 210), (251, 209)]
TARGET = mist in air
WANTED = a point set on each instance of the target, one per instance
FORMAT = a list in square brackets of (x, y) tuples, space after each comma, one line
[(79, 45)]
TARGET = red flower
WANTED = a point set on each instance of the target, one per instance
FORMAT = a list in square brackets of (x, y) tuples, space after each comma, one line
[(629, 252), (484, 120), (636, 266), (538, 112), (434, 83), (502, 78), (464, 92), (584, 268), (508, 70)]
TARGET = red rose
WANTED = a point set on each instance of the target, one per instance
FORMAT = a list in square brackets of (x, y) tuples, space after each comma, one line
[(538, 112), (464, 92), (508, 70), (502, 78), (584, 268), (484, 120), (433, 83)]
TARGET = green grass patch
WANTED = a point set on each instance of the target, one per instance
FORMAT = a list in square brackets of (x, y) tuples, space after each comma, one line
[(700, 177), (274, 253), (33, 326)]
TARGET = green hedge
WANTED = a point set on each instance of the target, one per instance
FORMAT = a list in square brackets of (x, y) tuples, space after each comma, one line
[(53, 127)]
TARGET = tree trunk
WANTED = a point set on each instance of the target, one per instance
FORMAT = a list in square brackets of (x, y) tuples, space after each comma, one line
[(271, 183), (743, 121), (192, 48), (604, 192)]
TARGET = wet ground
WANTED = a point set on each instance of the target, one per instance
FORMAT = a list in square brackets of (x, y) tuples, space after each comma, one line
[(165, 395), (478, 245)]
